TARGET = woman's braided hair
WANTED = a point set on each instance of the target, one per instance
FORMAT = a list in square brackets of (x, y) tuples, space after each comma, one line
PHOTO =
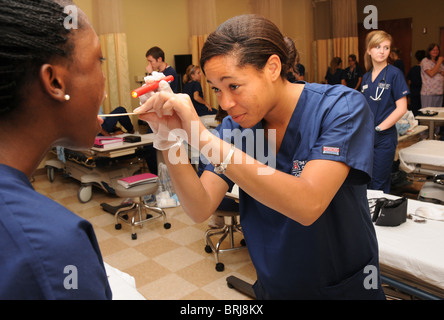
[(31, 33)]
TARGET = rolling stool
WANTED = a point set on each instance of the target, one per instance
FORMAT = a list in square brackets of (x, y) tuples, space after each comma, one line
[(138, 192), (231, 226)]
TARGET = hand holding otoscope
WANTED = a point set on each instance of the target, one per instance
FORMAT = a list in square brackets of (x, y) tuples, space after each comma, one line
[(150, 87), (140, 92)]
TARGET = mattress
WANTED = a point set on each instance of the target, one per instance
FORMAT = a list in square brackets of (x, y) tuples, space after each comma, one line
[(426, 152), (414, 249)]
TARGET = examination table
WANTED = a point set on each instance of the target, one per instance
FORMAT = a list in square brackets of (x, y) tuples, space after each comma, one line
[(427, 158), (411, 256)]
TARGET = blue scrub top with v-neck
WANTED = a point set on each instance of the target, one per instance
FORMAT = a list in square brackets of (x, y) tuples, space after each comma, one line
[(390, 85), (46, 251), (327, 259)]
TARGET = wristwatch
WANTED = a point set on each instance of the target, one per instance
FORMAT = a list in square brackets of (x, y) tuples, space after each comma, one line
[(220, 168), (378, 129)]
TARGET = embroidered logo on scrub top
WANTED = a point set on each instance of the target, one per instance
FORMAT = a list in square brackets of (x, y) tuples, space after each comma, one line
[(297, 168), (335, 151)]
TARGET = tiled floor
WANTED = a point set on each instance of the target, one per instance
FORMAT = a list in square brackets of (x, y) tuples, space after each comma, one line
[(166, 263)]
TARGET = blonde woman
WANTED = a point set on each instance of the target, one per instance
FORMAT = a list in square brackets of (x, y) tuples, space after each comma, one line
[(386, 92), (193, 88)]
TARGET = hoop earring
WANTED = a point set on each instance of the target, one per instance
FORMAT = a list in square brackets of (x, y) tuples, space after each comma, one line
[(67, 97)]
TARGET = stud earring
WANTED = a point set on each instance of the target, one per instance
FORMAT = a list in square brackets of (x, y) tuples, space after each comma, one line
[(67, 97)]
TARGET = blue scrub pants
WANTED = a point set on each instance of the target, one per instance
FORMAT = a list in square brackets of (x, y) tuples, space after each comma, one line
[(109, 124), (383, 157)]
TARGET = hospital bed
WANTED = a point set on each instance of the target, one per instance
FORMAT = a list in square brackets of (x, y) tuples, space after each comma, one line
[(97, 167), (411, 256), (426, 158)]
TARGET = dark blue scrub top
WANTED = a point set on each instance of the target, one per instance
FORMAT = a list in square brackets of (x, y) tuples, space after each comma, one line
[(40, 244), (190, 88), (392, 87), (352, 77), (169, 71), (327, 259)]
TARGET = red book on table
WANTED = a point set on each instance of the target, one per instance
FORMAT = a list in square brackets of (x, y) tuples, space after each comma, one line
[(107, 142), (138, 179)]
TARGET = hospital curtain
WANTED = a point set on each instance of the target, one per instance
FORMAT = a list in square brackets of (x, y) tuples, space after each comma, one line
[(109, 26), (336, 33), (270, 9), (202, 17), (116, 70)]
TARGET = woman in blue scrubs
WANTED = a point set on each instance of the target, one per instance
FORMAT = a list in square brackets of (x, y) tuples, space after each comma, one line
[(51, 85), (386, 92), (303, 203)]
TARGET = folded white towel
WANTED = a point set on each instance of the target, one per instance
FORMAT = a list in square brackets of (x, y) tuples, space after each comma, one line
[(430, 213)]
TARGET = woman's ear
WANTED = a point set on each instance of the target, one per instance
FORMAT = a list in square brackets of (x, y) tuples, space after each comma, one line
[(52, 81), (274, 67)]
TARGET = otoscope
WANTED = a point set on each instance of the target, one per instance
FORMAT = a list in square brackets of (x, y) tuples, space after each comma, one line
[(150, 87)]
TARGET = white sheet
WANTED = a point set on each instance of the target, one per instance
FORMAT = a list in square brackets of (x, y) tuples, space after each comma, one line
[(416, 248), (429, 152), (209, 121), (123, 286)]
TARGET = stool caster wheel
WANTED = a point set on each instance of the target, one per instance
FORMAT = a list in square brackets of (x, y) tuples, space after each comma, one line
[(243, 243), (134, 236), (208, 249), (118, 226), (220, 267), (167, 225)]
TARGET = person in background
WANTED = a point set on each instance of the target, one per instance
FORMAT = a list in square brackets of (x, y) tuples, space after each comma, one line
[(304, 211), (300, 68), (386, 92), (193, 88), (109, 125), (296, 71), (51, 89), (432, 74), (396, 60), (335, 73), (353, 73), (156, 62), (415, 82)]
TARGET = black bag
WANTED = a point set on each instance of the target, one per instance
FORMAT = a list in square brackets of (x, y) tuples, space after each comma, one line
[(390, 213), (132, 139)]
